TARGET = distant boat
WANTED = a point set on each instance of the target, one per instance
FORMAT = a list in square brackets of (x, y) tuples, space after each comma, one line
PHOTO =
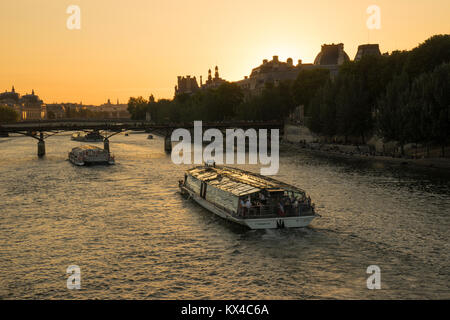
[(248, 199), (150, 137), (94, 136), (87, 154)]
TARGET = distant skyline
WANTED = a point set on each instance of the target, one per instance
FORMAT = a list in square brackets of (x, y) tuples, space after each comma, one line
[(139, 47)]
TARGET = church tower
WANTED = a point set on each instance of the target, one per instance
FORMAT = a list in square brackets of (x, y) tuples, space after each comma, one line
[(209, 75), (216, 74)]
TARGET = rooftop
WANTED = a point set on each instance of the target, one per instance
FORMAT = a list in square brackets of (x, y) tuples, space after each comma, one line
[(86, 147), (238, 182)]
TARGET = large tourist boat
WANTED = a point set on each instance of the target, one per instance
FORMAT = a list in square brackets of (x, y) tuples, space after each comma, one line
[(246, 198), (87, 154), (93, 136)]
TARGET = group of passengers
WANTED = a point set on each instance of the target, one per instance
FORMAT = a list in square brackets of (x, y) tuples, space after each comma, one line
[(292, 205), (286, 205), (248, 204)]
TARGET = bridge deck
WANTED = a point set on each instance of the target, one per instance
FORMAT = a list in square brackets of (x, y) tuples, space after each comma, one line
[(118, 125)]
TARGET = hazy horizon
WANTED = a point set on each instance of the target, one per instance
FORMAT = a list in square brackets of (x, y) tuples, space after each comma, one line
[(138, 48)]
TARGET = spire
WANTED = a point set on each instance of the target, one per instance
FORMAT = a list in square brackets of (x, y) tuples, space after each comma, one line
[(13, 90), (209, 75), (216, 74), (32, 92)]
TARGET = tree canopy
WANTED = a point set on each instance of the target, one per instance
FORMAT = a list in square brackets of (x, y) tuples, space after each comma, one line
[(8, 114)]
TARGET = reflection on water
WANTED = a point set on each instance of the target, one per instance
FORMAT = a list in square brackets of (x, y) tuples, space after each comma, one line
[(134, 237)]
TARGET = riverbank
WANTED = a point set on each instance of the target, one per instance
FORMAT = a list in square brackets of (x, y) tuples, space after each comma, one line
[(314, 148)]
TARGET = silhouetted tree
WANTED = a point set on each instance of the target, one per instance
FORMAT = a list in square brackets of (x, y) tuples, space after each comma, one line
[(138, 108), (306, 85), (8, 115)]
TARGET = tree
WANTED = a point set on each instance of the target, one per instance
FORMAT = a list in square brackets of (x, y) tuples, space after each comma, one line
[(138, 108), (440, 105), (391, 110), (428, 55), (323, 110), (8, 115), (307, 84)]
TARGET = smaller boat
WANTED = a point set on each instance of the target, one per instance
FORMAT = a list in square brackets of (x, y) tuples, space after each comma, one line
[(94, 136), (87, 154), (150, 137)]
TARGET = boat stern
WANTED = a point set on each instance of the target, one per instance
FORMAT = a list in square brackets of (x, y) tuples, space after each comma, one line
[(279, 222)]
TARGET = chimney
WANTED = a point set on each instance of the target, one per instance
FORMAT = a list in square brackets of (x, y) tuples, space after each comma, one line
[(289, 61), (265, 61), (299, 62), (275, 58)]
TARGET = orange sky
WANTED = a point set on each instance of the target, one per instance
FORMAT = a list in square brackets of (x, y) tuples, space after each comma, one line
[(138, 47)]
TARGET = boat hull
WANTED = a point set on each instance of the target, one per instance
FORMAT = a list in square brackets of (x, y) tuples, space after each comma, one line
[(77, 163), (254, 224), (86, 163)]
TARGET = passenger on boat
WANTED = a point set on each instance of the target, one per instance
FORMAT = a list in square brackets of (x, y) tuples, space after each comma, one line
[(262, 198), (295, 203), (242, 207), (297, 206), (287, 204), (248, 204), (280, 209)]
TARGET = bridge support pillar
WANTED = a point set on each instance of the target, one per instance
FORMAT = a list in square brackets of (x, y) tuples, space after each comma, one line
[(41, 145), (106, 144), (168, 143)]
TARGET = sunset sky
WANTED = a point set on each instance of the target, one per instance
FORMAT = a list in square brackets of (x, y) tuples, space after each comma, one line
[(139, 47)]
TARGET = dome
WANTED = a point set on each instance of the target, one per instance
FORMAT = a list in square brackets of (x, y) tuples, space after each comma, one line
[(331, 54)]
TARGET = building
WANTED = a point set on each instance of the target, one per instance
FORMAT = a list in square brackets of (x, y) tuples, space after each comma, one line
[(113, 111), (10, 99), (366, 50), (32, 108), (331, 57), (274, 72), (331, 54), (186, 85), (55, 111), (29, 106), (212, 82)]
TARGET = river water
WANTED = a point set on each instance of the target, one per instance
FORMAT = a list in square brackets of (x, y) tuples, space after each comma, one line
[(134, 237)]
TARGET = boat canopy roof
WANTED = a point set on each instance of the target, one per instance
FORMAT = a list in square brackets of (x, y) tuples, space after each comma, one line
[(86, 147), (239, 182)]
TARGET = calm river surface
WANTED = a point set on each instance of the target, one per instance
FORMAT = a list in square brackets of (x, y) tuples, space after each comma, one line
[(135, 237)]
